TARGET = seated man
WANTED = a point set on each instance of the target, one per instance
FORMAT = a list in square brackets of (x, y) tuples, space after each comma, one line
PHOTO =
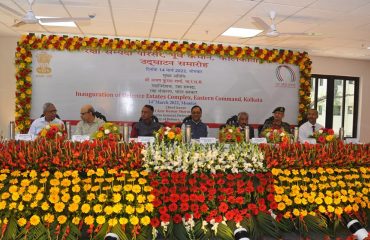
[(277, 121), (49, 117), (89, 123), (243, 122), (198, 128), (146, 125), (307, 129)]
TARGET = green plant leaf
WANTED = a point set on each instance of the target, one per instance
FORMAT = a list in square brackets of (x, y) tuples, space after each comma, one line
[(117, 229), (224, 232), (103, 231), (145, 233), (11, 229), (179, 232), (268, 225)]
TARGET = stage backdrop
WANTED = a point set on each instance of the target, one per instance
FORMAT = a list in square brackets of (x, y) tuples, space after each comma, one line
[(119, 83)]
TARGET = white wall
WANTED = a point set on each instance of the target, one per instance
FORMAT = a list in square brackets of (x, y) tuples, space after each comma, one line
[(321, 65), (353, 68), (7, 83)]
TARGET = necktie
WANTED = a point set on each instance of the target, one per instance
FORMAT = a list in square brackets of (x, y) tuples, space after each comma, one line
[(313, 128)]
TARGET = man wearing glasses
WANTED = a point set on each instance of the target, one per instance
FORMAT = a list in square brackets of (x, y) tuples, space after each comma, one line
[(89, 123), (50, 113)]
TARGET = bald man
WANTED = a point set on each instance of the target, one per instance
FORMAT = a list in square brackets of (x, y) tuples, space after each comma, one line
[(89, 124)]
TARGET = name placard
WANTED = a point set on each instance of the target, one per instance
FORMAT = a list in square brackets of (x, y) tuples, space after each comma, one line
[(143, 139), (309, 140), (351, 140), (24, 137), (207, 140), (258, 140), (80, 138)]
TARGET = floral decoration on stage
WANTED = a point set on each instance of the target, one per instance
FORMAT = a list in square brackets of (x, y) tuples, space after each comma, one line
[(108, 131), (30, 42), (324, 135), (169, 134), (231, 134), (236, 158), (276, 135), (52, 131)]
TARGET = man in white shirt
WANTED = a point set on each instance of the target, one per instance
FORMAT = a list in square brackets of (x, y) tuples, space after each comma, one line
[(307, 129), (50, 113), (89, 124)]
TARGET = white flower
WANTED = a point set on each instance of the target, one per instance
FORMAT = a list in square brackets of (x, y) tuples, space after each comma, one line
[(47, 127), (106, 131)]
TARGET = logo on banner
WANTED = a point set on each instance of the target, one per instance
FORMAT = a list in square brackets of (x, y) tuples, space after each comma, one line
[(43, 60), (285, 76)]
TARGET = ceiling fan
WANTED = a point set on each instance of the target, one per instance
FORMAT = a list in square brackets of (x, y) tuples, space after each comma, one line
[(30, 17), (271, 30)]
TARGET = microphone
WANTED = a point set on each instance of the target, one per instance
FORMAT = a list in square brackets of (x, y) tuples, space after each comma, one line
[(111, 236), (241, 234)]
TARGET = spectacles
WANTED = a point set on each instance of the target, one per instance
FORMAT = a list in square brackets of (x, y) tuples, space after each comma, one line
[(84, 113), (52, 111)]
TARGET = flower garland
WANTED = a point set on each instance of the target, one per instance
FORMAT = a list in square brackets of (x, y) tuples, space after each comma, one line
[(30, 42), (193, 158)]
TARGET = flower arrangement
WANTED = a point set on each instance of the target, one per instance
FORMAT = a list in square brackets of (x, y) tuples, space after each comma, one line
[(64, 204), (231, 134), (169, 134), (237, 158), (276, 135), (321, 191), (52, 131), (108, 131), (30, 42), (324, 135), (67, 155)]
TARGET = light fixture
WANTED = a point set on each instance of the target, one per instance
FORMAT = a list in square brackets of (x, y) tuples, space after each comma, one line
[(241, 32), (57, 24)]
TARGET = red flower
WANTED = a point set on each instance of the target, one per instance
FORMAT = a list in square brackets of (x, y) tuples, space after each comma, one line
[(177, 218), (223, 207), (155, 222)]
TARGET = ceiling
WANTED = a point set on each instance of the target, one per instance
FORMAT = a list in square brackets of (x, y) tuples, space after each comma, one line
[(342, 26)]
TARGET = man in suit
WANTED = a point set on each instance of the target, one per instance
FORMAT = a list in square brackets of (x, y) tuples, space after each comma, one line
[(307, 129), (146, 125), (243, 118), (198, 128)]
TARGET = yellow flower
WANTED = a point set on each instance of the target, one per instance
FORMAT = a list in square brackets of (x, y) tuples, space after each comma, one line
[(108, 210), (112, 222), (136, 188), (296, 212), (22, 221), (148, 188), (45, 206), (123, 221), (62, 219), (89, 220), (150, 198), (141, 198), (129, 209), (145, 220), (15, 196), (100, 220), (149, 207), (76, 188), (117, 208), (54, 182), (59, 207), (76, 220), (140, 208), (338, 211), (65, 183), (116, 197), (34, 220), (85, 208), (130, 197), (117, 188), (98, 208), (328, 200), (73, 207), (322, 209), (100, 172), (76, 199), (134, 220), (27, 197), (102, 197), (5, 195), (142, 181), (49, 218), (90, 196)]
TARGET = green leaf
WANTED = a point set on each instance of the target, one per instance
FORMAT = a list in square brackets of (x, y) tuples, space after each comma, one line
[(268, 225), (117, 229), (316, 224), (224, 232), (145, 233), (103, 231), (179, 232), (36, 233), (11, 229)]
